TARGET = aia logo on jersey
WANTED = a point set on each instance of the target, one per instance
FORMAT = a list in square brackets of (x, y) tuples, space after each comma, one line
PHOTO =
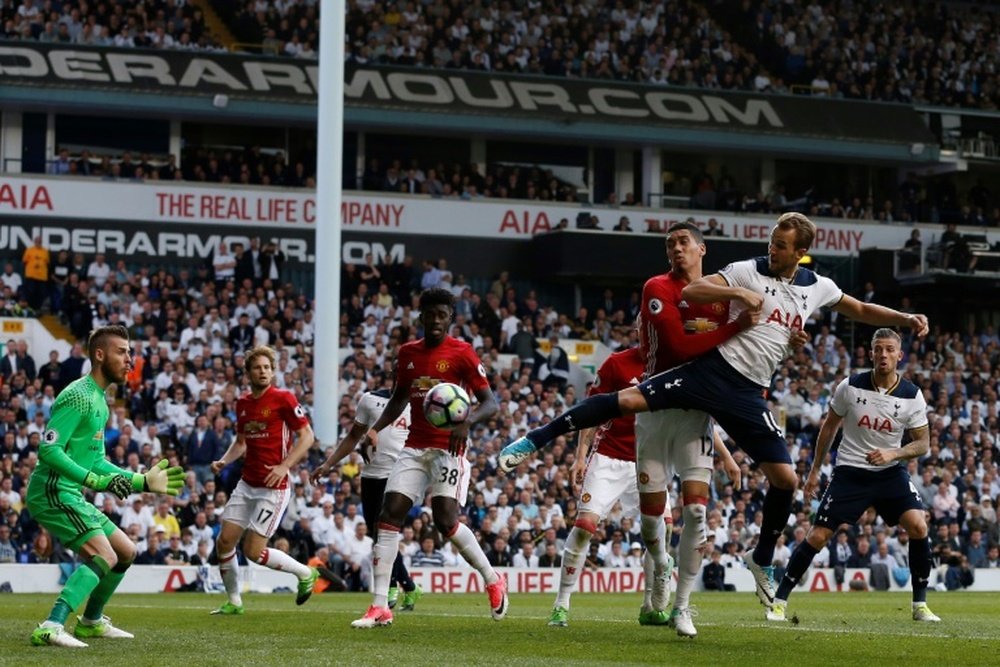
[(442, 365), (252, 427), (785, 319), (875, 424)]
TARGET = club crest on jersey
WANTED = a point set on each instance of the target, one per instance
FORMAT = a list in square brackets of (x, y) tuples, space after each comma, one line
[(585, 497), (265, 413), (644, 478), (99, 435), (655, 306), (875, 424), (785, 319), (442, 365)]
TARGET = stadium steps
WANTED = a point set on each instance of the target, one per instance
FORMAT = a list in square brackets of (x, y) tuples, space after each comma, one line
[(216, 26), (57, 328)]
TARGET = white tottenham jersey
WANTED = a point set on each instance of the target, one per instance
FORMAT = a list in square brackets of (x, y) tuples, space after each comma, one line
[(875, 418), (390, 439), (757, 351)]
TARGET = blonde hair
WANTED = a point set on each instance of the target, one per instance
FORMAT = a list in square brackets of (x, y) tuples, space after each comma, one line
[(805, 229), (259, 351)]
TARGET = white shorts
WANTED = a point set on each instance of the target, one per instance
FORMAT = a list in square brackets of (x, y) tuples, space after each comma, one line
[(417, 469), (673, 441), (259, 509), (605, 481)]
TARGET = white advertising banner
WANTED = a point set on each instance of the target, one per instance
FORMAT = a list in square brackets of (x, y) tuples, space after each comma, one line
[(37, 198), (164, 578)]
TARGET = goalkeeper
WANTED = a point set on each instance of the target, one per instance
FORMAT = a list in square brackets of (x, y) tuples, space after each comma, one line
[(71, 456)]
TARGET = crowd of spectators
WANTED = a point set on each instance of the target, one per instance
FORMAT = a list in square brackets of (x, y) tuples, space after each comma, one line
[(149, 24), (913, 52), (939, 53), (250, 166), (933, 53), (191, 327)]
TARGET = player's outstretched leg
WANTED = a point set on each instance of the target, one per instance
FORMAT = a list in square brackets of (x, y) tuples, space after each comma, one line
[(593, 411)]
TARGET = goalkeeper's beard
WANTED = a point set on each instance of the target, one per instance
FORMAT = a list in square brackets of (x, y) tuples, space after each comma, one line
[(110, 374)]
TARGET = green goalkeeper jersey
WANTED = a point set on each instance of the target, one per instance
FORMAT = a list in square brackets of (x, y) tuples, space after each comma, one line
[(76, 427)]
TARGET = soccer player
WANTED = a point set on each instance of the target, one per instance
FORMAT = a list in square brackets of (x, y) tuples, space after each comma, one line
[(673, 331), (266, 416), (874, 408), (431, 457), (378, 465), (604, 477), (729, 381), (71, 457)]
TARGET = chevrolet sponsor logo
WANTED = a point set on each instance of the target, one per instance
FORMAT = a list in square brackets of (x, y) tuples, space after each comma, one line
[(700, 325)]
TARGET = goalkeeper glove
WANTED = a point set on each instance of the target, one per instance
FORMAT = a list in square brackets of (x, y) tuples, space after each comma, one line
[(161, 479), (116, 483)]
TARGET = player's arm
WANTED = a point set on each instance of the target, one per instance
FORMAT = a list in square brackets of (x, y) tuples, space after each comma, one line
[(346, 446), (919, 445), (872, 313), (729, 464), (831, 424), (715, 288), (584, 439), (304, 439), (670, 326), (235, 452)]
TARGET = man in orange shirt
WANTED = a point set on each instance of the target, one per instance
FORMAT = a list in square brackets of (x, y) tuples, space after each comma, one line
[(36, 273)]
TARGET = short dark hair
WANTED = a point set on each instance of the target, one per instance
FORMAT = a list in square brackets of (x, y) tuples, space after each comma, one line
[(691, 227), (885, 332), (436, 296), (98, 337)]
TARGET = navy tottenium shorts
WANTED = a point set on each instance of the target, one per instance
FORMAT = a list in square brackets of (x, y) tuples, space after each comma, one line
[(711, 384)]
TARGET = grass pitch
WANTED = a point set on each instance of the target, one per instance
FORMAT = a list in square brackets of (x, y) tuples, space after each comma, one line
[(833, 629)]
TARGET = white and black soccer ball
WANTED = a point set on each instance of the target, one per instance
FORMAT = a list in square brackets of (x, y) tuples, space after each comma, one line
[(447, 406)]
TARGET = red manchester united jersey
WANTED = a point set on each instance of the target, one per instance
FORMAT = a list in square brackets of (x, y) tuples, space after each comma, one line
[(673, 331), (266, 424), (420, 367), (616, 438)]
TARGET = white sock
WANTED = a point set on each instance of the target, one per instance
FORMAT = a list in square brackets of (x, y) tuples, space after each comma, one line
[(648, 568), (229, 568), (465, 541), (383, 556), (573, 557), (654, 534), (279, 560), (688, 557)]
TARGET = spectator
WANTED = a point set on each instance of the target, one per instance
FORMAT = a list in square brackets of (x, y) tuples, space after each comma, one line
[(713, 574), (36, 273)]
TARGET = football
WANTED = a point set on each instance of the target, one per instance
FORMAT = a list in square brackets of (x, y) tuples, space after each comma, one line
[(446, 406)]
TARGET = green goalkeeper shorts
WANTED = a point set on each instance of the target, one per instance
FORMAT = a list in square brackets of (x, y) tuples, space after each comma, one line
[(67, 516)]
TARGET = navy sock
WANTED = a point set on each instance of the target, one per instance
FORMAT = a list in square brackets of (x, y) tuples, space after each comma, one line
[(801, 558), (593, 411), (400, 575), (777, 507), (920, 567)]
